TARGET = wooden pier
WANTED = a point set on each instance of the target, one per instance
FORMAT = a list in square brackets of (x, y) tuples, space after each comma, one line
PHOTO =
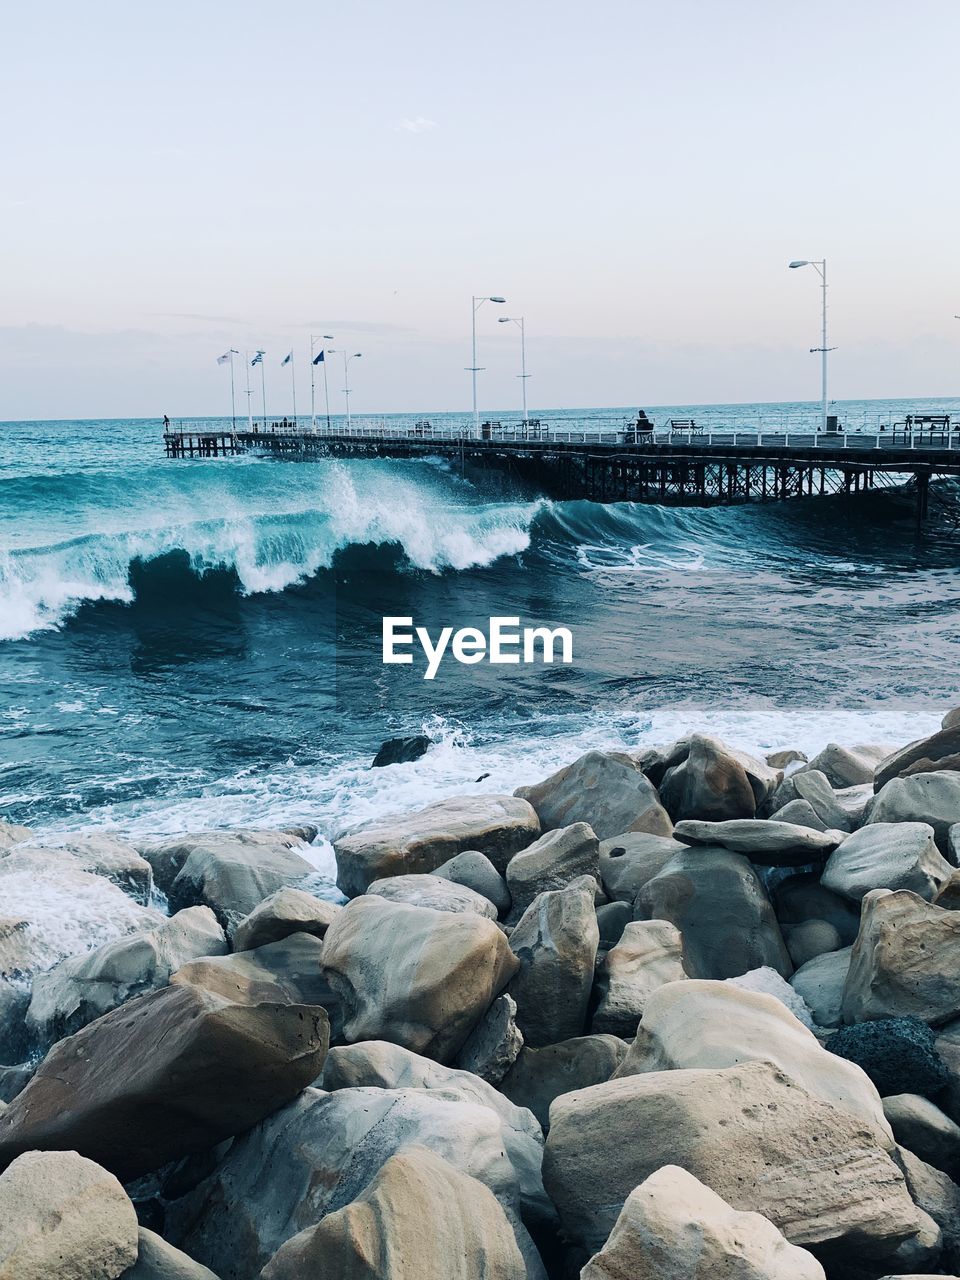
[(672, 468)]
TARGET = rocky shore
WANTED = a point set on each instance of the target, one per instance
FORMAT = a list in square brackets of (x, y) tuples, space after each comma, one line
[(681, 1014)]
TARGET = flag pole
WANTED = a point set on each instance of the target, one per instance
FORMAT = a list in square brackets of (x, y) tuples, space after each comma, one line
[(233, 394), (246, 361), (326, 390), (263, 388), (293, 385)]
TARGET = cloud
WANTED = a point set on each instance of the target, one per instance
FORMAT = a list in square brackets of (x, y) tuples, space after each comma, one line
[(418, 124), (193, 315), (355, 326)]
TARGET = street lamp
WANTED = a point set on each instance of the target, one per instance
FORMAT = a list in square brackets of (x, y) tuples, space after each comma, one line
[(346, 381), (327, 337), (820, 266), (477, 304), (523, 375)]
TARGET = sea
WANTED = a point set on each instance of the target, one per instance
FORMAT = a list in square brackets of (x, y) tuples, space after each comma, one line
[(187, 644)]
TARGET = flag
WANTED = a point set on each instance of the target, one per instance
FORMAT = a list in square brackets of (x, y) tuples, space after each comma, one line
[(318, 359), (286, 359), (225, 358), (258, 358)]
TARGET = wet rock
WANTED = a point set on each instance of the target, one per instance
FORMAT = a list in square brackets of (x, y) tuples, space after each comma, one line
[(898, 1054), (820, 983), (940, 751), (629, 860), (432, 891), (158, 1260), (848, 766), (768, 843), (418, 977), (552, 862), (498, 826), (787, 759), (921, 1126), (887, 855), (475, 871), (540, 1075), (284, 972), (606, 789), (170, 1073), (401, 750), (649, 954), (14, 1078), (494, 1044), (284, 912), (672, 1227), (555, 944), (717, 901), (62, 1217), (105, 854), (469, 1235), (810, 939), (924, 797), (716, 783)]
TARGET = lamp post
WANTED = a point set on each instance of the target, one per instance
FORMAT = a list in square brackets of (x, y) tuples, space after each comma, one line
[(523, 375), (313, 379), (820, 266), (346, 380), (477, 304)]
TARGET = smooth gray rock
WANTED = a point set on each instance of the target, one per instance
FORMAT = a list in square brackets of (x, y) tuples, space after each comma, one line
[(766, 842), (802, 813), (629, 860), (552, 862), (432, 891), (810, 939), (284, 912), (541, 1075), (848, 766), (938, 751), (836, 810), (475, 871), (820, 982), (494, 1044), (649, 955), (606, 789), (612, 919), (887, 855), (921, 1126), (922, 797)]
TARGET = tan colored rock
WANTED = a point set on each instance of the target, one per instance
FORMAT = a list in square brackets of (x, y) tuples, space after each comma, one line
[(789, 758), (923, 797), (62, 1217), (418, 977), (424, 890), (469, 1236), (849, 766), (284, 912), (716, 782), (606, 789), (498, 826), (648, 955), (766, 842), (748, 1132), (552, 862), (284, 972), (672, 1227), (104, 854), (540, 1075), (887, 855), (938, 751), (158, 1260), (906, 960)]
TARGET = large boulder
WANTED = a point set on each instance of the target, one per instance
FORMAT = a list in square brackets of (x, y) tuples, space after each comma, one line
[(106, 854), (921, 1126), (717, 901), (62, 1217), (769, 843), (848, 766), (498, 826), (715, 782), (896, 1053), (377, 1064), (317, 1155), (559, 856), (418, 977), (475, 871), (810, 939), (540, 1075), (492, 1047), (836, 810), (648, 955), (887, 855), (606, 789), (284, 912), (629, 860), (84, 987), (469, 1237), (229, 871), (401, 750), (905, 961), (672, 1227), (165, 1075), (426, 890), (157, 1260), (751, 1134), (716, 1024), (820, 984), (923, 797), (555, 944), (938, 752), (284, 972)]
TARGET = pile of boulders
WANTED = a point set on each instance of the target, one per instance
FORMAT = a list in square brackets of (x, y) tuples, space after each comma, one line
[(678, 1014)]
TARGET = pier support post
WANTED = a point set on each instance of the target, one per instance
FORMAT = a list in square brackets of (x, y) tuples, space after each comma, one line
[(923, 492)]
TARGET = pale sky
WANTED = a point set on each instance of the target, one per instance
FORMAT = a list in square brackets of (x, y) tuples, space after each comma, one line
[(634, 176)]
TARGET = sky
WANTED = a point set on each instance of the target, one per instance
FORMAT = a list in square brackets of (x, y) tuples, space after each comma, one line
[(632, 176)]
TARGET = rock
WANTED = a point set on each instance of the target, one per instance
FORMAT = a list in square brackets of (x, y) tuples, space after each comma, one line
[(748, 1132), (15, 1040), (948, 895), (718, 903), (432, 891), (837, 811), (284, 972), (10, 834), (229, 871), (469, 1236), (934, 1193), (716, 783), (800, 813), (494, 1044), (924, 797), (475, 871), (401, 750), (540, 1075), (376, 1064), (810, 939), (786, 759), (820, 984), (905, 961), (848, 766), (84, 987), (887, 855), (14, 1079), (715, 1024), (939, 751), (801, 897), (606, 789), (317, 1155), (898, 1054), (552, 862), (649, 954), (170, 1073), (64, 1218), (105, 854), (498, 826), (418, 977), (921, 1126), (555, 944), (612, 919), (672, 1227), (769, 843), (629, 860), (284, 912), (768, 982), (158, 1260)]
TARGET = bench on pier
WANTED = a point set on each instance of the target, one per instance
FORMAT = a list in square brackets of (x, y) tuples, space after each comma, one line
[(685, 424)]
